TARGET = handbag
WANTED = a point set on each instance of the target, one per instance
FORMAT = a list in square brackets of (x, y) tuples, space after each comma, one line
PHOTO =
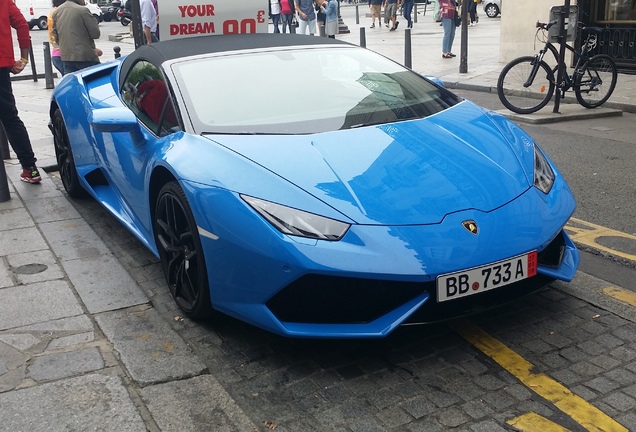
[(458, 19)]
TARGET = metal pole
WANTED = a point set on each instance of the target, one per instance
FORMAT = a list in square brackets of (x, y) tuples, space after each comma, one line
[(565, 12), (407, 48), (32, 61), (357, 13), (463, 59), (415, 11), (48, 67), (363, 37), (5, 195)]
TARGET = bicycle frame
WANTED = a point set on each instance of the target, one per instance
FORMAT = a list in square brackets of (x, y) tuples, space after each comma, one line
[(580, 56)]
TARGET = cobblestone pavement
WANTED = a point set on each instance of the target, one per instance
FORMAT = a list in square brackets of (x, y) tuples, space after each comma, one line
[(425, 378)]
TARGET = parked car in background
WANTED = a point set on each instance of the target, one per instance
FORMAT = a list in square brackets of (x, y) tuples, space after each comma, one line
[(95, 10), (35, 12), (492, 8)]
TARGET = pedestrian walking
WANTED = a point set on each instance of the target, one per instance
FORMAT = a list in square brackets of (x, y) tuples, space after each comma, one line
[(375, 7), (74, 30), (390, 11), (472, 10), (448, 11), (306, 16), (11, 17), (274, 13), (287, 14), (407, 9)]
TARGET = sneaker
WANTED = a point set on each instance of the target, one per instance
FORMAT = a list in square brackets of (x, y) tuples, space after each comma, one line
[(30, 175), (392, 29), (397, 23), (372, 25)]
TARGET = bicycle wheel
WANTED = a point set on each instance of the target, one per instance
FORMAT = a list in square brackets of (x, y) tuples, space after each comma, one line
[(519, 92), (596, 81)]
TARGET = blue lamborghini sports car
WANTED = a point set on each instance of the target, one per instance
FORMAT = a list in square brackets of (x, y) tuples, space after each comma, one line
[(311, 187)]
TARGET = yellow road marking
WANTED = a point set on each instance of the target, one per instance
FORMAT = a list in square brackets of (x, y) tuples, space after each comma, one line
[(533, 422), (620, 294), (587, 233), (588, 416)]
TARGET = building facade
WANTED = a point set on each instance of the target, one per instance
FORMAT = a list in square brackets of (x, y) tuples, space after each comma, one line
[(616, 20)]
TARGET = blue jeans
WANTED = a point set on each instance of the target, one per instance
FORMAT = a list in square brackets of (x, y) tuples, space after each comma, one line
[(58, 64), (287, 20), (275, 19), (449, 34), (407, 8), (74, 66)]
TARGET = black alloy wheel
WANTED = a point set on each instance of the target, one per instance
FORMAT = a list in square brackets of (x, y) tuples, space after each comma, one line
[(64, 156), (181, 252)]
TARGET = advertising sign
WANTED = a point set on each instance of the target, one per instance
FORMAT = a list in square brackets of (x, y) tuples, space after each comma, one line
[(185, 18)]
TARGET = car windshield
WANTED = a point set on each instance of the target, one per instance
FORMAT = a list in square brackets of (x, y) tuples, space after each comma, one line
[(302, 91)]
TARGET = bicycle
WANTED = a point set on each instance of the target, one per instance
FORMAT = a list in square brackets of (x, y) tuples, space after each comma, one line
[(526, 84)]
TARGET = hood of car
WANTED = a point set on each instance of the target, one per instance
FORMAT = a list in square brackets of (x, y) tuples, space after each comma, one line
[(412, 172)]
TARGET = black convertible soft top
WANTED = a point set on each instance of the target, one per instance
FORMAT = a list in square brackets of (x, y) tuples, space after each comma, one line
[(159, 52)]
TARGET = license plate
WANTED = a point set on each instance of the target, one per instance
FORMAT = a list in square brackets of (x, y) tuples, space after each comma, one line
[(463, 283)]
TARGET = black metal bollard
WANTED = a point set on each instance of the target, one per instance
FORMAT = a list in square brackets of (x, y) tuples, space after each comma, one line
[(363, 37), (117, 50), (48, 67), (32, 61), (357, 13), (407, 48), (415, 12), (5, 195)]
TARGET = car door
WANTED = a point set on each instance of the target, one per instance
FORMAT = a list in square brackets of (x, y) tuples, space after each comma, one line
[(129, 161)]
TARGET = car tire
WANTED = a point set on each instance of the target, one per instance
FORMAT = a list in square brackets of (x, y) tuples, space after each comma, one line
[(181, 252), (125, 21), (64, 157), (42, 23), (98, 18), (491, 10)]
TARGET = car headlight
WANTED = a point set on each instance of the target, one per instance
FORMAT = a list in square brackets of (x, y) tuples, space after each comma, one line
[(543, 174), (297, 222)]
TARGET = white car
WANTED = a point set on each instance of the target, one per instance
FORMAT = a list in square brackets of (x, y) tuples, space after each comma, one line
[(95, 10), (492, 8)]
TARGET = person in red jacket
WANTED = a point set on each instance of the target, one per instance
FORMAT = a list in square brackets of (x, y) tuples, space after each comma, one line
[(10, 16)]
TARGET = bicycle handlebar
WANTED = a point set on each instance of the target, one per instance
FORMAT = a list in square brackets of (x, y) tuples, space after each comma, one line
[(545, 26)]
